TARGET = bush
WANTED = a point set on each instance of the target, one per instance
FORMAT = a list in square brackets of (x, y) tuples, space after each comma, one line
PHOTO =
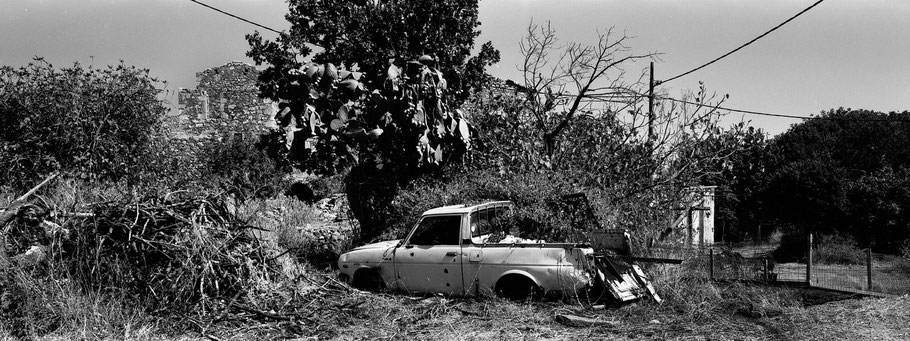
[(535, 215), (904, 261), (300, 229), (94, 123), (826, 249), (238, 166), (837, 249)]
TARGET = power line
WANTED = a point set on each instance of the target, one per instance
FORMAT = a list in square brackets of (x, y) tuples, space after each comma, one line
[(786, 116), (236, 17), (619, 97), (743, 45)]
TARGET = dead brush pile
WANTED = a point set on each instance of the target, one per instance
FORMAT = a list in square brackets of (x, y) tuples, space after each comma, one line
[(171, 254)]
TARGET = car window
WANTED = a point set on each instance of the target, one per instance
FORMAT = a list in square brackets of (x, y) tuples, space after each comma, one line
[(480, 223), (437, 230)]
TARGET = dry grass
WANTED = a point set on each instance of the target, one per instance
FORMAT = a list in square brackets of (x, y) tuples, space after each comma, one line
[(58, 306), (858, 319), (299, 301)]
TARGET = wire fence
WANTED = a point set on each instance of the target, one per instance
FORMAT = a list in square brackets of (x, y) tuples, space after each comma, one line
[(865, 273)]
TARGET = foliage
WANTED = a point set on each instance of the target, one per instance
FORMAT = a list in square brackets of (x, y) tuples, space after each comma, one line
[(581, 79), (837, 249), (238, 166), (826, 249), (369, 33), (844, 173), (904, 261), (740, 177), (635, 182), (367, 88), (92, 122), (529, 191), (382, 95)]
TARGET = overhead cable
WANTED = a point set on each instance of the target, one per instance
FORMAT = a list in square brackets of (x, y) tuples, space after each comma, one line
[(236, 17), (743, 45), (785, 116)]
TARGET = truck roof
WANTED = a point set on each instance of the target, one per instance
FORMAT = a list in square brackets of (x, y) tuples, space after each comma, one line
[(466, 208)]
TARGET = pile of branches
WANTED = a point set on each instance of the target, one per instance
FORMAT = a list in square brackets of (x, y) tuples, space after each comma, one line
[(171, 255)]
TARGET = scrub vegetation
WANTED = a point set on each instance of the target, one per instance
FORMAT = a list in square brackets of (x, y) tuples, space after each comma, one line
[(400, 118)]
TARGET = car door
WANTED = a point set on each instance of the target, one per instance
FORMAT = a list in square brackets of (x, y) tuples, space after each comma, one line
[(429, 261)]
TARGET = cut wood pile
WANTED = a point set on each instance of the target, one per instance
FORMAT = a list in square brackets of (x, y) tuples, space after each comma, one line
[(176, 253), (182, 254)]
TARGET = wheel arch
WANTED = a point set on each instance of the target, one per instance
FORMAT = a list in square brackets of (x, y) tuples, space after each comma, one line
[(513, 273)]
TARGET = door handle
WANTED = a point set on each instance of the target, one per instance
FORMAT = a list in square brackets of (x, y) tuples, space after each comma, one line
[(451, 253)]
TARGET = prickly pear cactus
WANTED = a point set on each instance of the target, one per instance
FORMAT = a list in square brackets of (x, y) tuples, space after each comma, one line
[(330, 113)]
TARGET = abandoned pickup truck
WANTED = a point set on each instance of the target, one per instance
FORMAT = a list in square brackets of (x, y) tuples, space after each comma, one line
[(447, 252)]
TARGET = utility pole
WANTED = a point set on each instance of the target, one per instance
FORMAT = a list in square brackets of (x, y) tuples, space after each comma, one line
[(651, 107)]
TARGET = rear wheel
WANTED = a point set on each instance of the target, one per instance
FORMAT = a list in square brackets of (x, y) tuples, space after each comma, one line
[(516, 288)]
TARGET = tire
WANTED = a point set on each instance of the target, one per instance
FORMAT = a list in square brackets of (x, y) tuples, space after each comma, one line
[(517, 288), (367, 280)]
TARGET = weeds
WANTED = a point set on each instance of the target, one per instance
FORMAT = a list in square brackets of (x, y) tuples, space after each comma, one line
[(38, 305)]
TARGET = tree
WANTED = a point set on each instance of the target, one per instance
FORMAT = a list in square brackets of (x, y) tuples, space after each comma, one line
[(581, 78), (381, 99), (843, 172), (578, 118), (94, 123), (740, 178), (379, 57), (577, 83)]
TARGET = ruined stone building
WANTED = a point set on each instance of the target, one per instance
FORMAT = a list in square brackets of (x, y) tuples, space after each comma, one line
[(225, 103)]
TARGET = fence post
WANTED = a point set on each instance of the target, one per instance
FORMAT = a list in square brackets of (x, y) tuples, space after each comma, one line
[(711, 264), (809, 262), (869, 269)]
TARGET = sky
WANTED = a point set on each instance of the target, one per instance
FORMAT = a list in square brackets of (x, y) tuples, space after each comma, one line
[(842, 53)]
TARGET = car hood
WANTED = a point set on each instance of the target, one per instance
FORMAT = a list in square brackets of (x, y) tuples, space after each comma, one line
[(380, 245)]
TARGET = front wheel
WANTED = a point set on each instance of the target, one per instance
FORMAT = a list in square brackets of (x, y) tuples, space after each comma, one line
[(367, 280)]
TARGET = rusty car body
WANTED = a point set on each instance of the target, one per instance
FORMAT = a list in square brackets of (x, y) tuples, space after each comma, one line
[(448, 251)]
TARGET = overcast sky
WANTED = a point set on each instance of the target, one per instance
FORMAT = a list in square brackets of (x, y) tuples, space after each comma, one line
[(841, 53)]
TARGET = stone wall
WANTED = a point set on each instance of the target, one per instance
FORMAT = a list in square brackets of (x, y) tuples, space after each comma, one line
[(224, 103)]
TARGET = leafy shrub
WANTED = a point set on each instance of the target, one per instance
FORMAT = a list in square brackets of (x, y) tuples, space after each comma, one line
[(904, 261), (94, 123), (299, 229), (534, 216), (837, 249), (239, 167), (826, 249)]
